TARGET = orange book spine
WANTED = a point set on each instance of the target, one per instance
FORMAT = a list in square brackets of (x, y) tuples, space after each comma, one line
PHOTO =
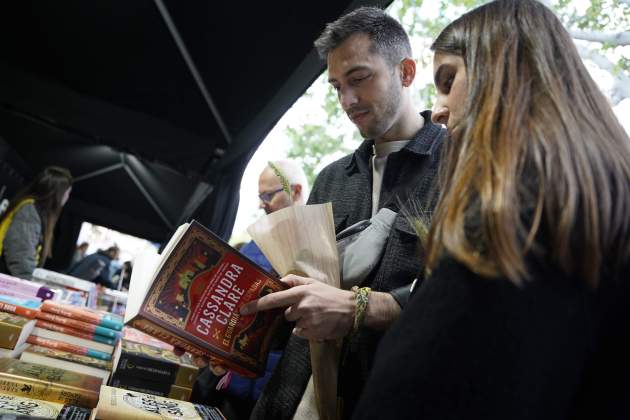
[(70, 348), (73, 323), (63, 329), (18, 310)]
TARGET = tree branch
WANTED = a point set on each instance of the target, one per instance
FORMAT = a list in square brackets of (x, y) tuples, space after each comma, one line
[(621, 87), (616, 39)]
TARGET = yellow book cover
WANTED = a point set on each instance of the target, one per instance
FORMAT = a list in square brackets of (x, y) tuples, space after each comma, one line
[(116, 403), (14, 330), (48, 383)]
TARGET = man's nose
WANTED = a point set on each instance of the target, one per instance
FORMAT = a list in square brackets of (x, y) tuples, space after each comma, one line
[(440, 115), (348, 98)]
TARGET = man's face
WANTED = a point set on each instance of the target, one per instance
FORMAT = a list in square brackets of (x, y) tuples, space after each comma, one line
[(368, 88), (272, 197)]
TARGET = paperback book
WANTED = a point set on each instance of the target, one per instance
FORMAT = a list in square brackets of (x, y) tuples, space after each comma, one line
[(191, 296), (30, 408), (25, 287), (116, 403), (68, 361), (48, 383), (14, 330), (152, 364), (65, 346)]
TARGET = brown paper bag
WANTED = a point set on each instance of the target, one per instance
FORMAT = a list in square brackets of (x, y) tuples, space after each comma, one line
[(301, 240)]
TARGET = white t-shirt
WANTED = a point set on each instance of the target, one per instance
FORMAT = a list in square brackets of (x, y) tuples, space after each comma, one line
[(379, 161)]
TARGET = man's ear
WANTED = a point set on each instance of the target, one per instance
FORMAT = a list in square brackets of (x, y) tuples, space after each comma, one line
[(297, 192), (407, 71)]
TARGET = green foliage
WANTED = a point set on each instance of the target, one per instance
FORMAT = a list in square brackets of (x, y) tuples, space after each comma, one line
[(311, 143), (314, 140)]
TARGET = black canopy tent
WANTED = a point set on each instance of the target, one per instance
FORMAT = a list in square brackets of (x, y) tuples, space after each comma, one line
[(155, 106)]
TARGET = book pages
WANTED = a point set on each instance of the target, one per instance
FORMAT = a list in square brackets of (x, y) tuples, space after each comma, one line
[(301, 240), (141, 278)]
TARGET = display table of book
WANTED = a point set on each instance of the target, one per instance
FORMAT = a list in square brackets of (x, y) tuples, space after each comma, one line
[(58, 354)]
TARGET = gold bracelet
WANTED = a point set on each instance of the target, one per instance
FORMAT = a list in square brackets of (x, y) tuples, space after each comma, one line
[(362, 298)]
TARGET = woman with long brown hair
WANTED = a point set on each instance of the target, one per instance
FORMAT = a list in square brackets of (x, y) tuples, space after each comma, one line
[(526, 309), (26, 228)]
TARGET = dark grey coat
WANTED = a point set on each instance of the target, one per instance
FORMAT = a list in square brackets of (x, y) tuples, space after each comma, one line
[(410, 176), (19, 255)]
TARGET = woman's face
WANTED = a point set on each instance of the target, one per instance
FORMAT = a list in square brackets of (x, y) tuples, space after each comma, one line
[(449, 75)]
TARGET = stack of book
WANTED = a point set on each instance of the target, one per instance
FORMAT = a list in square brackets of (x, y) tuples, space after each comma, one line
[(113, 404), (76, 330), (48, 383), (153, 370)]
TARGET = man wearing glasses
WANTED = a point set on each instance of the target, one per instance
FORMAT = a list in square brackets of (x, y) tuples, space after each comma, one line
[(272, 197)]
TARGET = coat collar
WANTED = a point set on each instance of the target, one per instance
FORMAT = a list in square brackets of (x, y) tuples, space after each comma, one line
[(423, 143)]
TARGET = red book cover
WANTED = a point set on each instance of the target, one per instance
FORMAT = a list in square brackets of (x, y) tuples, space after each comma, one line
[(195, 298)]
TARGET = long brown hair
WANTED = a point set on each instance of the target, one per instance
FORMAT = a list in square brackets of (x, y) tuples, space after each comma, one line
[(47, 189), (539, 163)]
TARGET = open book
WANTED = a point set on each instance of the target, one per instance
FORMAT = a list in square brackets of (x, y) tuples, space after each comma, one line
[(190, 296)]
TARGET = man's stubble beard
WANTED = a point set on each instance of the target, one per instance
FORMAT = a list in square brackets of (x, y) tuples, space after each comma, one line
[(390, 108)]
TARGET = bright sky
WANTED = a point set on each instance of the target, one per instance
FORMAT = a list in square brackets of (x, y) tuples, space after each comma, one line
[(310, 108)]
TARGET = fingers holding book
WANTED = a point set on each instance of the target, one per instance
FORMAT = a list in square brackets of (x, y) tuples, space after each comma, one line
[(320, 311)]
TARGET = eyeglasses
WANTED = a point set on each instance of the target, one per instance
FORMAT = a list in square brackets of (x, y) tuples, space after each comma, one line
[(266, 197)]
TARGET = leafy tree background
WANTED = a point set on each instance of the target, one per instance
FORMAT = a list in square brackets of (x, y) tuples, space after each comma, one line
[(601, 29)]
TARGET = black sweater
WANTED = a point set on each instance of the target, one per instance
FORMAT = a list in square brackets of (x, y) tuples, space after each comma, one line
[(467, 347)]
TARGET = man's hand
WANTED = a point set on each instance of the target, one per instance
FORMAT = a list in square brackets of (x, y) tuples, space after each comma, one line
[(321, 312)]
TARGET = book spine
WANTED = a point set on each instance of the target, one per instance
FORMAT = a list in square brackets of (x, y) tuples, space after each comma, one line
[(72, 331), (40, 390), (163, 334), (71, 348), (25, 287), (79, 325), (82, 315), (133, 365), (139, 385), (18, 310)]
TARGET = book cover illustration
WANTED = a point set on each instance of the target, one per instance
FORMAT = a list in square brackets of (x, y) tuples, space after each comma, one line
[(198, 292), (48, 383), (116, 403), (27, 407)]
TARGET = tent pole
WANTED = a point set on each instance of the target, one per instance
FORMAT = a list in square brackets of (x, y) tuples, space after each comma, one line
[(193, 69), (145, 192)]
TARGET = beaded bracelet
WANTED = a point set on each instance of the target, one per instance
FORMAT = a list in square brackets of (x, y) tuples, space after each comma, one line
[(362, 299)]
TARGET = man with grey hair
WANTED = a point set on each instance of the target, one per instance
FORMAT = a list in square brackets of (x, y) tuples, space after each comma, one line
[(272, 197), (370, 66)]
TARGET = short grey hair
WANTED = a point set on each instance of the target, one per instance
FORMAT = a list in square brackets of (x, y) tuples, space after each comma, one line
[(295, 174), (388, 37)]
